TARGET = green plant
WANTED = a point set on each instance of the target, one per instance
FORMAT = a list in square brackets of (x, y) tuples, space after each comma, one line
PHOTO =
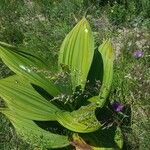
[(146, 8), (118, 14), (36, 97)]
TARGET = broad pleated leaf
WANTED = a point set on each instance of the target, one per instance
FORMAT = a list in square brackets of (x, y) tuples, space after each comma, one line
[(82, 120), (77, 52), (106, 51), (27, 65), (21, 98), (35, 135)]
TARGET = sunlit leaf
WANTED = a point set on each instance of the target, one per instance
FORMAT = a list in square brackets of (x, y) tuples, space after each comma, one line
[(118, 138), (27, 65), (77, 52), (21, 98), (33, 134), (106, 51), (82, 120)]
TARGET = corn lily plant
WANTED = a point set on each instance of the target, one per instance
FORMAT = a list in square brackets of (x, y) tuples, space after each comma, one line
[(69, 114)]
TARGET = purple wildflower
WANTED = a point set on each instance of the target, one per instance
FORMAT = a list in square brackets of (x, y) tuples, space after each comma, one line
[(138, 54), (118, 107)]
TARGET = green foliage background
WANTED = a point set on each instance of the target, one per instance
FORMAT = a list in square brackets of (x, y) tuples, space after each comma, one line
[(39, 26)]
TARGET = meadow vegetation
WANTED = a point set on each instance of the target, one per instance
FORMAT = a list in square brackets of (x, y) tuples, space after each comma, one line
[(39, 27)]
